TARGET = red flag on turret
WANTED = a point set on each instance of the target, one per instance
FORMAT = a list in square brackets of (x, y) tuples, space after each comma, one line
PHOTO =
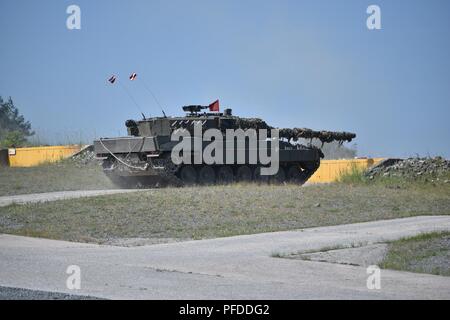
[(214, 106)]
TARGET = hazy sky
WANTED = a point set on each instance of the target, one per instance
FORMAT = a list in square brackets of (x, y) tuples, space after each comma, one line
[(293, 63)]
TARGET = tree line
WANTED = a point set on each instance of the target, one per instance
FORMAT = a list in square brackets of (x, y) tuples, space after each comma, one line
[(14, 129)]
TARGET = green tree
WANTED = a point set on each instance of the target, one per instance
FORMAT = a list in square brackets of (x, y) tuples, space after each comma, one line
[(14, 129)]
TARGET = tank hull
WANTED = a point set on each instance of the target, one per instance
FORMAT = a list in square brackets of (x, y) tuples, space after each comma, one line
[(135, 161)]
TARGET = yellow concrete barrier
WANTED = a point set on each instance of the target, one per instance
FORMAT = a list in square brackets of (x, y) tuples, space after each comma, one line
[(29, 157), (330, 170)]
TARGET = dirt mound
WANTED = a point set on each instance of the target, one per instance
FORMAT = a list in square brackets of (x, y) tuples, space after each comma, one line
[(85, 156), (436, 168)]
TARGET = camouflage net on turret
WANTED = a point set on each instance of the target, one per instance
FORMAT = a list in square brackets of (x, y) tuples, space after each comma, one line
[(297, 133)]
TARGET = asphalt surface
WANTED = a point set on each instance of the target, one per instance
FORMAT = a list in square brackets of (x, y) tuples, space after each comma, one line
[(240, 267), (59, 195), (367, 255)]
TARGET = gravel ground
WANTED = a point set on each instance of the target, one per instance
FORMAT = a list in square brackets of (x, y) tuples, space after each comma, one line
[(7, 293)]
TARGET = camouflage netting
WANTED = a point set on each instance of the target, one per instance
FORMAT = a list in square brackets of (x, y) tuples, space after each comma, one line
[(297, 133), (324, 136)]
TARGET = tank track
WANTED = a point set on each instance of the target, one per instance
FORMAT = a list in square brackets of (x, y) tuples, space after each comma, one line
[(168, 174)]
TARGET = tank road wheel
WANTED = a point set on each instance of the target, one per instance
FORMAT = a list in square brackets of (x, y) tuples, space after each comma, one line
[(294, 174), (259, 177), (279, 177), (188, 175), (244, 173), (225, 175), (206, 175)]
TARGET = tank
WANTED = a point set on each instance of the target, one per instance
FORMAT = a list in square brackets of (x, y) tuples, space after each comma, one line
[(144, 157)]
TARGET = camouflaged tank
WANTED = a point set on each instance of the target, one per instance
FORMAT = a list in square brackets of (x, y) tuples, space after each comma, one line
[(143, 158)]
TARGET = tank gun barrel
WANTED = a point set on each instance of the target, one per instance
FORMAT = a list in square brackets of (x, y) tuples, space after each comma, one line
[(298, 133)]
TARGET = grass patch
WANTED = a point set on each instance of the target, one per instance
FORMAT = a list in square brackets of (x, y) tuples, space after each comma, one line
[(61, 176), (353, 176), (219, 211), (425, 253)]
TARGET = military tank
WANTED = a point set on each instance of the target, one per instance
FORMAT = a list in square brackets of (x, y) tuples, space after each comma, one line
[(144, 157)]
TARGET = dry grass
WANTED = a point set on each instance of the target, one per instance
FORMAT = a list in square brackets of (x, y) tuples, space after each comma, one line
[(206, 212), (426, 253), (61, 176)]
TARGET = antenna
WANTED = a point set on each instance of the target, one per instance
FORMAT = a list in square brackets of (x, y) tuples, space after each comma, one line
[(132, 98), (113, 79), (147, 87), (154, 97)]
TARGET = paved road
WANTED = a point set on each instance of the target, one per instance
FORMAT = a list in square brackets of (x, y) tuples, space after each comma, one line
[(59, 195), (238, 267)]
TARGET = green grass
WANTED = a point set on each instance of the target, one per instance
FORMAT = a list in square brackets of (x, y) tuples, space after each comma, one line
[(352, 176), (61, 176), (426, 253), (218, 211)]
